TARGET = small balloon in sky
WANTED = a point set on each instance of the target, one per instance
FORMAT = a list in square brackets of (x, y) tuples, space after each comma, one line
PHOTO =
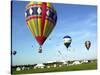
[(59, 52), (67, 41), (87, 44), (32, 45), (14, 52)]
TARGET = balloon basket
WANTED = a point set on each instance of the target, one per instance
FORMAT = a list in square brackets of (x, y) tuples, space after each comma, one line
[(40, 49)]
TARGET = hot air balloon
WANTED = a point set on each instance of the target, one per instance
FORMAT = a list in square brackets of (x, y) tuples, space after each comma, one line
[(32, 46), (59, 52), (67, 41), (41, 19), (87, 44), (13, 52)]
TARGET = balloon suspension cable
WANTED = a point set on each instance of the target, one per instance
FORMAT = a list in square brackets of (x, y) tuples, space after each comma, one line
[(88, 49), (68, 49), (40, 49)]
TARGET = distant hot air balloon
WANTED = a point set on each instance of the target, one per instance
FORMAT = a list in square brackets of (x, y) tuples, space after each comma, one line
[(49, 38), (87, 44), (13, 52), (67, 41), (59, 52), (41, 19), (32, 46)]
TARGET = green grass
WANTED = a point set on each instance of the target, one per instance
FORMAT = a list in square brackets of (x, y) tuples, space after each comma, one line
[(88, 66)]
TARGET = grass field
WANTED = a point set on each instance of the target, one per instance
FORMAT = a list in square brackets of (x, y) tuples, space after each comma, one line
[(86, 66)]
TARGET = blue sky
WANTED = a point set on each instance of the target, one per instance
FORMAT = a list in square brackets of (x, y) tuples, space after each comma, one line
[(77, 21)]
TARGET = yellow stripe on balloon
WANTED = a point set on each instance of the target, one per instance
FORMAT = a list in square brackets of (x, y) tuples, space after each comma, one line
[(30, 28), (34, 27), (39, 2), (39, 23), (45, 27), (31, 2), (50, 28), (48, 4), (39, 26)]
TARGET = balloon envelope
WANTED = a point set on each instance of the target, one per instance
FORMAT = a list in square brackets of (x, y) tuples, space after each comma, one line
[(67, 41), (14, 52), (41, 18), (87, 44)]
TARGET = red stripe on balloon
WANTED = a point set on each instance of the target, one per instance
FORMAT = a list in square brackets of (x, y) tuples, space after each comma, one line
[(40, 39), (43, 16), (35, 17)]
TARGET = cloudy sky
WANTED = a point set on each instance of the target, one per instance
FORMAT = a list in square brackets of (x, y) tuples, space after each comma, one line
[(77, 21)]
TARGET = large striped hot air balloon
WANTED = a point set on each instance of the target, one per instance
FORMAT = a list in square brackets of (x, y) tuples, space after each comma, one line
[(41, 18)]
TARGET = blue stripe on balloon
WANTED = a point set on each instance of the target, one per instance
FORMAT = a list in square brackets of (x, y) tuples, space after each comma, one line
[(67, 37)]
